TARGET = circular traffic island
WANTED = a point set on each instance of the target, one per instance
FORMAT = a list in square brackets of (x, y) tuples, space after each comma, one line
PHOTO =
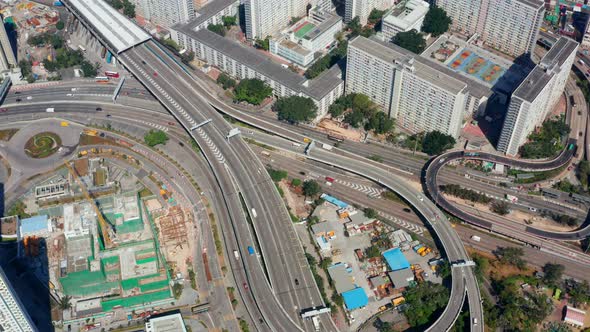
[(42, 145)]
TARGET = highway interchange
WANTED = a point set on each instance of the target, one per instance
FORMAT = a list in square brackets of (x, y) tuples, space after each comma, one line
[(248, 194)]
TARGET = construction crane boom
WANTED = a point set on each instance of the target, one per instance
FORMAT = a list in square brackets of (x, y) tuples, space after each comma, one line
[(107, 232)]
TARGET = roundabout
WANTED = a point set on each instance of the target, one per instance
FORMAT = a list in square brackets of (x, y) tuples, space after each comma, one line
[(42, 145)]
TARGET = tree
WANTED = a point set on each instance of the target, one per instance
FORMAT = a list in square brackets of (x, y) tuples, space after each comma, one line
[(65, 302), (337, 299), (553, 273), (584, 173), (26, 67), (325, 263), (511, 255), (88, 70), (370, 213), (373, 251), (311, 188), (500, 207), (276, 175), (423, 301), (327, 60), (295, 109), (435, 142), (171, 44), (336, 110), (355, 27), (296, 182), (436, 21), (579, 292), (380, 123), (411, 40), (229, 20), (263, 44), (187, 57), (217, 28), (376, 15), (129, 9), (354, 118), (18, 209), (155, 137), (225, 81), (60, 25), (252, 91), (443, 270)]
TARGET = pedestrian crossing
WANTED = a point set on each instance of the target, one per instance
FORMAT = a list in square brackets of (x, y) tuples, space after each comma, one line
[(192, 123), (404, 224), (369, 191)]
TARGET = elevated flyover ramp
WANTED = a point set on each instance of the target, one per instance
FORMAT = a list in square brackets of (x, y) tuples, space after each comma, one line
[(113, 29)]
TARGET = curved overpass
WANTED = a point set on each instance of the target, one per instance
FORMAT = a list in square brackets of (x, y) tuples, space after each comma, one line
[(431, 187)]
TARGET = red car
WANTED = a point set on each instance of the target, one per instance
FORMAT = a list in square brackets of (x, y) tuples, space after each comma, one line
[(2, 110), (246, 286), (155, 74)]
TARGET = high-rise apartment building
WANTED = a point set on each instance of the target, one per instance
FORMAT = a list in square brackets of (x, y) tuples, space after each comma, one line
[(537, 95), (510, 26), (419, 94), (264, 18), (165, 13), (7, 58), (13, 317), (362, 9)]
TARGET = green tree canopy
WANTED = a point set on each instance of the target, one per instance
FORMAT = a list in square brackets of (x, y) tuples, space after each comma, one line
[(511, 255), (373, 251), (311, 188), (436, 21), (423, 301), (500, 207), (380, 123), (263, 44), (60, 25), (276, 174), (553, 273), (411, 40), (225, 81), (370, 213), (252, 91), (217, 28), (229, 20), (89, 70), (295, 109), (436, 142), (155, 137)]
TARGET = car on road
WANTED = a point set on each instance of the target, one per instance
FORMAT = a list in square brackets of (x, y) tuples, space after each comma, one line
[(70, 95), (180, 143), (171, 123), (246, 286), (143, 62), (407, 210), (155, 74), (420, 198), (2, 110), (29, 97), (296, 282), (17, 92), (98, 109), (108, 115), (18, 100)]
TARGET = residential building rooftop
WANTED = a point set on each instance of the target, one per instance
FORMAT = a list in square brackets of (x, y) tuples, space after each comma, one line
[(406, 15), (205, 13)]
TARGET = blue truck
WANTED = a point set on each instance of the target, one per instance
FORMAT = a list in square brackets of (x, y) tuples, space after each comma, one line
[(250, 250)]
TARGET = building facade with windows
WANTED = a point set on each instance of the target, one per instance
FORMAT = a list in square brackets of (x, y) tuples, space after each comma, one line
[(420, 94), (509, 26), (13, 316), (537, 95), (363, 8), (165, 13)]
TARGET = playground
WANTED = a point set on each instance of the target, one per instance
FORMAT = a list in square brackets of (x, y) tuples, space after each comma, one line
[(473, 64)]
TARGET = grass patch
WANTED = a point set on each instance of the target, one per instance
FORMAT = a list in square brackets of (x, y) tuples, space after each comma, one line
[(218, 244), (42, 145), (6, 134), (262, 145), (145, 192)]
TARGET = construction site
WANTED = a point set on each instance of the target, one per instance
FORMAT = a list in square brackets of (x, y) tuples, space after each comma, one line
[(113, 248)]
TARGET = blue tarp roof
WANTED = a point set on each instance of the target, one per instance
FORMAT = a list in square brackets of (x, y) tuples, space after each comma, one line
[(355, 298), (33, 224), (334, 201), (396, 259)]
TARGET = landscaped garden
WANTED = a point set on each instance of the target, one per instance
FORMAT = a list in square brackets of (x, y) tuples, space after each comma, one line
[(42, 145)]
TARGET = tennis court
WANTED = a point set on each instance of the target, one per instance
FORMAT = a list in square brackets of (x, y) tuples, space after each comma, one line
[(303, 29)]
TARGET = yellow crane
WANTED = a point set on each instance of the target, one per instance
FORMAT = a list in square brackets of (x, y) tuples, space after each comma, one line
[(108, 235)]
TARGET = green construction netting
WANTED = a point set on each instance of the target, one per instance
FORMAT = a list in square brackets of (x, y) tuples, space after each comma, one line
[(146, 260), (85, 283), (136, 300)]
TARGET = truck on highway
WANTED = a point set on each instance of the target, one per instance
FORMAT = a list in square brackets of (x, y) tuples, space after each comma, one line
[(236, 254), (250, 250), (50, 110), (254, 214), (475, 238), (327, 147)]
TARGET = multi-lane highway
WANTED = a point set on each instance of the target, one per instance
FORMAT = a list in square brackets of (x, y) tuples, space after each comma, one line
[(431, 185)]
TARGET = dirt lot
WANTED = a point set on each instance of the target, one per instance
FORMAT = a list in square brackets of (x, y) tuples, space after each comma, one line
[(333, 127)]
